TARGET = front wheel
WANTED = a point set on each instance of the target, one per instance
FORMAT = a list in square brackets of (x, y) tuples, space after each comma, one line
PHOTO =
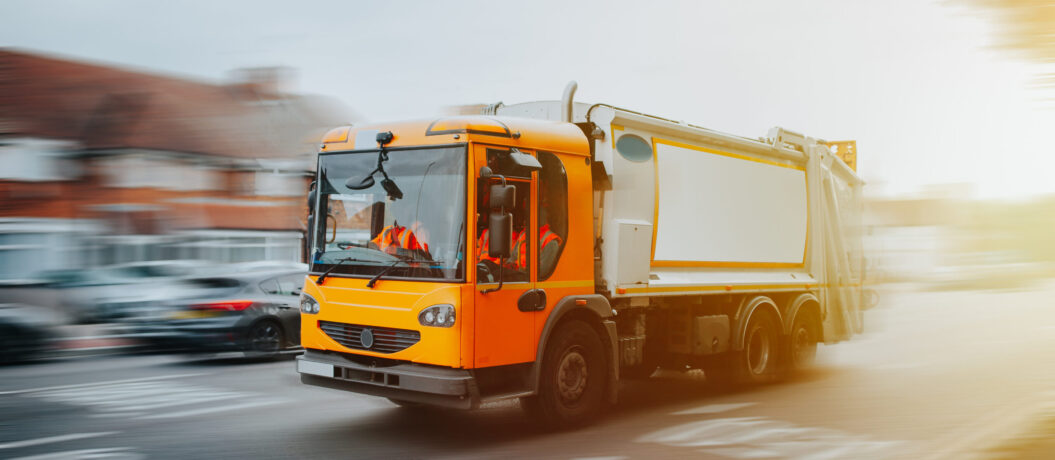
[(574, 378)]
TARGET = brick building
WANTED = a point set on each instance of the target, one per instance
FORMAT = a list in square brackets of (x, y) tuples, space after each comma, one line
[(101, 165)]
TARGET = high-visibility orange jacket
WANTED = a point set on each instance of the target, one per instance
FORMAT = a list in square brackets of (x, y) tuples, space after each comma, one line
[(482, 244), (397, 237), (519, 253)]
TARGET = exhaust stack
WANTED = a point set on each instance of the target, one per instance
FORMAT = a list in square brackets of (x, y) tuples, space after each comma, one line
[(567, 100)]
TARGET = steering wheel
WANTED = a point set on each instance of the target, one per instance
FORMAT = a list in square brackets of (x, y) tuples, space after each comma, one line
[(487, 271)]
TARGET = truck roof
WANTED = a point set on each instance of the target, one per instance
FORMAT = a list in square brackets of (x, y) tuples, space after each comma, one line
[(510, 131)]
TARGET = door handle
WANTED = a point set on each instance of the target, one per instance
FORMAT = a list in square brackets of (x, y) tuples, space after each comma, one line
[(532, 300)]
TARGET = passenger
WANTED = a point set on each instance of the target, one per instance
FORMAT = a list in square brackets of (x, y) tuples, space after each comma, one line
[(549, 243)]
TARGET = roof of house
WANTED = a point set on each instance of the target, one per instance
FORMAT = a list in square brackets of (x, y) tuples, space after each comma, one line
[(105, 107)]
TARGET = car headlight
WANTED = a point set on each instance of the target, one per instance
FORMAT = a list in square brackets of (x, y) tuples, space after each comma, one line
[(441, 315), (308, 304)]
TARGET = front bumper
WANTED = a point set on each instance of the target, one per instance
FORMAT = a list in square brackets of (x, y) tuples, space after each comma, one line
[(433, 385)]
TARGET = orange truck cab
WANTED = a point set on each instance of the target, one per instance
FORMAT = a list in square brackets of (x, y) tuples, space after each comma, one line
[(412, 295)]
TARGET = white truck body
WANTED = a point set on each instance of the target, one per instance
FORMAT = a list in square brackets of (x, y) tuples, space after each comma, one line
[(699, 212)]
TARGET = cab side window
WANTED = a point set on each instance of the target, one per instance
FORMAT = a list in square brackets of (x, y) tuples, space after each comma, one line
[(552, 213), (515, 267)]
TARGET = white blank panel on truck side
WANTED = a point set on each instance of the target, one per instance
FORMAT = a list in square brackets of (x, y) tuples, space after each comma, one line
[(717, 208)]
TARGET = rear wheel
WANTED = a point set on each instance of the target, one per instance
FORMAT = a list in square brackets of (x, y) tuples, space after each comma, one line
[(265, 337), (574, 377), (758, 361), (802, 343)]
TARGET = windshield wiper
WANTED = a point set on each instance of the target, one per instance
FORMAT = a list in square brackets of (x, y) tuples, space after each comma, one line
[(337, 263), (370, 284)]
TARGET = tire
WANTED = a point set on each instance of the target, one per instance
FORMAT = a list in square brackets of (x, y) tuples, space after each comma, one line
[(801, 348), (265, 337), (573, 380), (759, 360)]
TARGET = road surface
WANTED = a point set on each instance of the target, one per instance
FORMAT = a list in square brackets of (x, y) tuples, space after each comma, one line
[(939, 375)]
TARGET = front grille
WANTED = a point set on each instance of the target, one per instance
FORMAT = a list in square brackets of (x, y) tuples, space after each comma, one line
[(386, 340)]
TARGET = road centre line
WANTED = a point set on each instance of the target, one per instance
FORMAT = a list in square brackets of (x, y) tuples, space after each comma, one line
[(89, 385), (54, 439)]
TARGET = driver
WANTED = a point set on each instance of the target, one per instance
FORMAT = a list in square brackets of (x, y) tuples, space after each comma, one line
[(395, 237)]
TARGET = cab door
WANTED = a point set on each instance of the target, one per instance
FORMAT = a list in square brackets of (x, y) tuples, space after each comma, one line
[(504, 334)]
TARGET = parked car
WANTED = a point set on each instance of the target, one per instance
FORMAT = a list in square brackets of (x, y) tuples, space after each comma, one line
[(68, 292), (25, 332), (256, 311), (89, 295)]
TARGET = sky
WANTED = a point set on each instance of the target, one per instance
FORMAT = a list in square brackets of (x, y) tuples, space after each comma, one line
[(919, 85)]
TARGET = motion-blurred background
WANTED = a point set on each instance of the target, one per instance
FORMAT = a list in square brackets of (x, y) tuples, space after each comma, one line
[(158, 140), (151, 152)]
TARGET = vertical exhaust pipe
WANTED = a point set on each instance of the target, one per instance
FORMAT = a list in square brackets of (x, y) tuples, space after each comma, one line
[(567, 101)]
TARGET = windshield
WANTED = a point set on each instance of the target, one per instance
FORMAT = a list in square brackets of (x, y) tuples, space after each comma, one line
[(419, 236)]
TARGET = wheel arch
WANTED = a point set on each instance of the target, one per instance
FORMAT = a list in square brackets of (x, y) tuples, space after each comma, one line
[(596, 311), (747, 310)]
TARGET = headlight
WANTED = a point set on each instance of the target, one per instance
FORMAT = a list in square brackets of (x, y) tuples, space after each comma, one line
[(441, 315), (308, 304)]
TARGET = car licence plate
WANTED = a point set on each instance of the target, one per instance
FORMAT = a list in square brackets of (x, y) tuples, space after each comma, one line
[(192, 314)]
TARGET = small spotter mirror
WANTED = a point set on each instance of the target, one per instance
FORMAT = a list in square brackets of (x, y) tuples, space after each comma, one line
[(524, 160), (363, 183)]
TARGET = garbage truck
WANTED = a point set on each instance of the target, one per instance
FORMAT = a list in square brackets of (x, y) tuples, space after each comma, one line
[(548, 250)]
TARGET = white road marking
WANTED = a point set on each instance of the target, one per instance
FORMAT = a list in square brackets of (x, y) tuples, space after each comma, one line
[(714, 408), (88, 385), (209, 410), (758, 437), (742, 452), (112, 453), (701, 433), (153, 399), (178, 400), (53, 439)]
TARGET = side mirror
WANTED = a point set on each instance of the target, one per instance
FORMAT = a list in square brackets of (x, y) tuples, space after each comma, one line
[(312, 194), (500, 234)]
